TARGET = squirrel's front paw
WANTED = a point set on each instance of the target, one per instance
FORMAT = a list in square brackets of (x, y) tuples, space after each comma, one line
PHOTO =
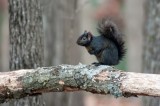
[(96, 63)]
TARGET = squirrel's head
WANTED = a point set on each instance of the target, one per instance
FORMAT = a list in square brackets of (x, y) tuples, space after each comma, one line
[(85, 39)]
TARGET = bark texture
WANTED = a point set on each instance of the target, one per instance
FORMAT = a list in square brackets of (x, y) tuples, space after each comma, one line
[(61, 26), (101, 80), (26, 46), (152, 44), (25, 26)]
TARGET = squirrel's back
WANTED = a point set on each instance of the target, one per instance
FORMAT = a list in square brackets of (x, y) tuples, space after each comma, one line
[(108, 47), (109, 30)]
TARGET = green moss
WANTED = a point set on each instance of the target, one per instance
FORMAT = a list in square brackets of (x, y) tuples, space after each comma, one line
[(114, 85)]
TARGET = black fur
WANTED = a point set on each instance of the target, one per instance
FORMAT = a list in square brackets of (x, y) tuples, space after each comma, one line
[(108, 47), (109, 30)]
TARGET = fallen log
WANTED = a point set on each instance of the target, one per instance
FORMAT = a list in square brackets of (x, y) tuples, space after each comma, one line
[(63, 78)]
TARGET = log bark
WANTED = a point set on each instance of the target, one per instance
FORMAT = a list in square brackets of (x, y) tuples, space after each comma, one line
[(62, 78)]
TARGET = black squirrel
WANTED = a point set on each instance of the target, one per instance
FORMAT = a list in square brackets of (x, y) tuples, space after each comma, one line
[(109, 47)]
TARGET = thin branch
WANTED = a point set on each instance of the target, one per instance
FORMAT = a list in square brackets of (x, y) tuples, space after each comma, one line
[(100, 79)]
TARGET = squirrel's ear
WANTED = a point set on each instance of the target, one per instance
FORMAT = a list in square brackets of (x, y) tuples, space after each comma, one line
[(89, 35), (85, 31)]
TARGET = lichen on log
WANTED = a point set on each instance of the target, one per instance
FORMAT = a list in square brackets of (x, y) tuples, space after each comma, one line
[(66, 78)]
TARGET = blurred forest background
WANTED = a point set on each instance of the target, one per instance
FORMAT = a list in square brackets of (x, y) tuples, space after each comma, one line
[(63, 22)]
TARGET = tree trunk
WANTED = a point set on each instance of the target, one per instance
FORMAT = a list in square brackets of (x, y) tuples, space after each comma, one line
[(26, 46), (151, 57), (134, 24), (61, 24)]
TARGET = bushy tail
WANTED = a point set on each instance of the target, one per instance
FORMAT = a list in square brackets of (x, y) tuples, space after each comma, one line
[(109, 30)]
